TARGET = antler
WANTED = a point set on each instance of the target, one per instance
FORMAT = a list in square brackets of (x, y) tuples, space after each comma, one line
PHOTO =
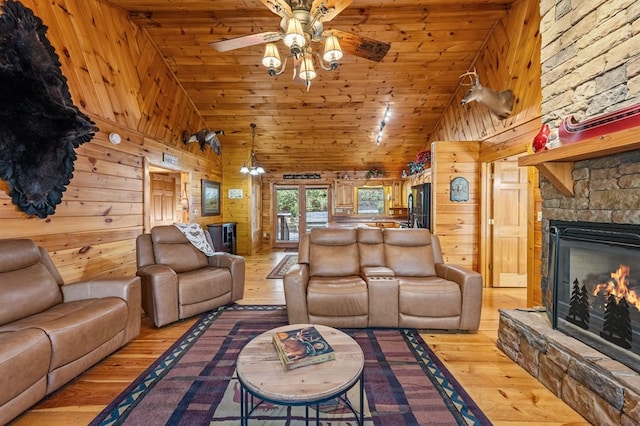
[(473, 78)]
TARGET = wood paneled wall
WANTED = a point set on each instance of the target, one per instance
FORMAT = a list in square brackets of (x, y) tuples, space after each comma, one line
[(509, 60), (117, 77), (456, 222)]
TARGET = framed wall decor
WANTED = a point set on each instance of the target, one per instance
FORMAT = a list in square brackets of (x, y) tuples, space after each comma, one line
[(459, 189), (210, 198)]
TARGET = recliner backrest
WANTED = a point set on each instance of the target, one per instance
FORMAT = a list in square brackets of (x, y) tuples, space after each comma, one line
[(371, 246), (333, 252), (409, 252), (29, 281), (171, 248)]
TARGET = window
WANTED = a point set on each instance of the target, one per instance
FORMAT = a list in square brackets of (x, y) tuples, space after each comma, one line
[(371, 200)]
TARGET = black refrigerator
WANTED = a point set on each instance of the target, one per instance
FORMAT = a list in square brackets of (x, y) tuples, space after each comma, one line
[(420, 206)]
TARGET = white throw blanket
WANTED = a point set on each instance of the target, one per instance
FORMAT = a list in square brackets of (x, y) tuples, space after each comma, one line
[(195, 235)]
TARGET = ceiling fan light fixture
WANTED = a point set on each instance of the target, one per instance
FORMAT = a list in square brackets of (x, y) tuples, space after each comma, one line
[(271, 58), (307, 72), (332, 50), (295, 38)]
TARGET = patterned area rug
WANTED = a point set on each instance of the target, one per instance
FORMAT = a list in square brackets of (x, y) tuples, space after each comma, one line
[(283, 266), (194, 382)]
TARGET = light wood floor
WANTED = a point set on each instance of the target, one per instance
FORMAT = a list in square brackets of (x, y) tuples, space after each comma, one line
[(506, 393)]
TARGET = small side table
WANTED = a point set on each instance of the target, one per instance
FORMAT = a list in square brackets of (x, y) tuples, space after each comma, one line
[(263, 377)]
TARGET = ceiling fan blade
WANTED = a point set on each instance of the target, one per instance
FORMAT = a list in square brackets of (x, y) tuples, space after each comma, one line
[(245, 41), (279, 7), (363, 47), (334, 6)]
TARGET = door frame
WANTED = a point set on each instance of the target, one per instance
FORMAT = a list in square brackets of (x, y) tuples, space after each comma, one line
[(486, 213), (150, 166)]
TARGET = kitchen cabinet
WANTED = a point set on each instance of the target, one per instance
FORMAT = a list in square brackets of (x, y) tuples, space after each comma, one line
[(398, 196), (344, 194)]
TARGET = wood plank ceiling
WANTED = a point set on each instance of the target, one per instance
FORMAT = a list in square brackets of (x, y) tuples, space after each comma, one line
[(333, 126)]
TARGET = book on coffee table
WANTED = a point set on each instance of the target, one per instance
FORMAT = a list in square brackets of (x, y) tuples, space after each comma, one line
[(302, 346)]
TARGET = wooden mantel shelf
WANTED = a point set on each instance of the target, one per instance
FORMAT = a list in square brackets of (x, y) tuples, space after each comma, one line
[(557, 164)]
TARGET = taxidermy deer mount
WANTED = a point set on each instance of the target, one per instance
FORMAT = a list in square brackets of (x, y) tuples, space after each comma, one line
[(500, 103), (204, 137)]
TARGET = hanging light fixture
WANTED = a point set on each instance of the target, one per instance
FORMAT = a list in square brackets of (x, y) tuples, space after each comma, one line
[(301, 29), (254, 168)]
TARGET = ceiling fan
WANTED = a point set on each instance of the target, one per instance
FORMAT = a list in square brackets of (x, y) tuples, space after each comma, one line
[(301, 24)]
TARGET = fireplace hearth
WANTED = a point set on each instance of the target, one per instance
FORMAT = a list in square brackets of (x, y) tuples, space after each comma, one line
[(594, 278)]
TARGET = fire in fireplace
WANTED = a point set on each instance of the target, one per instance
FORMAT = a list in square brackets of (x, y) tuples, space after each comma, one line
[(594, 274)]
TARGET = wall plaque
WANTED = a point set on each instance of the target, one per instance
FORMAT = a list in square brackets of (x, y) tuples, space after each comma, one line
[(169, 159), (235, 193), (459, 189), (302, 176)]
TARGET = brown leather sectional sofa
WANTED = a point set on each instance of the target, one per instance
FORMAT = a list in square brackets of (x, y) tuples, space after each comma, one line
[(372, 277), (51, 332)]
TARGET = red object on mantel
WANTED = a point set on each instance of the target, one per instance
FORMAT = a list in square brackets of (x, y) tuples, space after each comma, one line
[(540, 140), (571, 131)]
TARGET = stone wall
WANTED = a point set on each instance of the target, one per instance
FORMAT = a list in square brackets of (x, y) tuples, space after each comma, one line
[(590, 58), (590, 65)]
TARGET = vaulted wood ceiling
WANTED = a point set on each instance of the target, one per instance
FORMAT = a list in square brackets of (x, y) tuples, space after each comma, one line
[(333, 126)]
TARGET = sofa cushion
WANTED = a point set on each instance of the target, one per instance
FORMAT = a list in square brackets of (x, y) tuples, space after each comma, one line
[(24, 362), (333, 252), (26, 284), (337, 296), (203, 284), (409, 252), (77, 328), (171, 248), (429, 297)]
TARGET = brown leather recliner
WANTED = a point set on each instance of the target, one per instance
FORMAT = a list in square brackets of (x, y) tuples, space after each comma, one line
[(179, 281), (50, 332)]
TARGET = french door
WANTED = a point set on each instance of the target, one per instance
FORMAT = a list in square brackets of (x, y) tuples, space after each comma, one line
[(298, 208)]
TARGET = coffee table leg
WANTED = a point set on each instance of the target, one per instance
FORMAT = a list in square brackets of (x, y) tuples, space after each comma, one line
[(361, 399), (242, 408)]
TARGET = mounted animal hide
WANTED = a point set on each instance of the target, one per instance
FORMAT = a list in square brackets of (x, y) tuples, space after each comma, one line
[(39, 124)]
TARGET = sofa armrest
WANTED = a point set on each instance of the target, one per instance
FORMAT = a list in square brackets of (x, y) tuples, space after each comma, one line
[(236, 266), (470, 283), (159, 293), (295, 283), (127, 289), (97, 289)]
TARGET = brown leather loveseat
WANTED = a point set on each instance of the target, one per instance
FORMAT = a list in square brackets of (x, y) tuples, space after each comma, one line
[(179, 281), (51, 332), (372, 277)]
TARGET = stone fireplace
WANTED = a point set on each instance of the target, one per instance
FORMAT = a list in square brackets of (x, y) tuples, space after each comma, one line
[(600, 384), (589, 67)]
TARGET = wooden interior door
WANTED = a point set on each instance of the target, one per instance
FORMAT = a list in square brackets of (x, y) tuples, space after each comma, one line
[(163, 199), (509, 231)]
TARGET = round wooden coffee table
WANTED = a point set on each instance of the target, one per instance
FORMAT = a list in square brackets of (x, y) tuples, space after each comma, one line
[(262, 376)]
